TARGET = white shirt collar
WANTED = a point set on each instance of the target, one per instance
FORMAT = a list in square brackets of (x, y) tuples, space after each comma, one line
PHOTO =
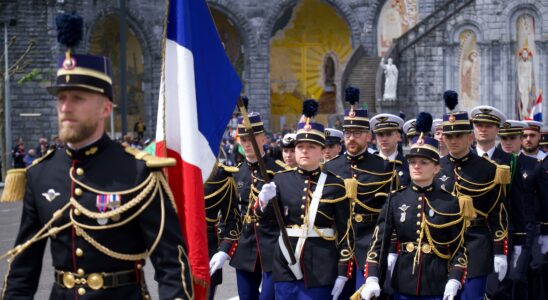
[(489, 152), (391, 157)]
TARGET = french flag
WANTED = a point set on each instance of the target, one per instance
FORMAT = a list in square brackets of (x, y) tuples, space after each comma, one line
[(198, 93), (536, 111)]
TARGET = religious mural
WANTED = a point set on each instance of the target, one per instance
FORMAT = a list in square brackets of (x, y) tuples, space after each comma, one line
[(105, 40), (469, 70), (307, 54), (527, 66), (396, 17)]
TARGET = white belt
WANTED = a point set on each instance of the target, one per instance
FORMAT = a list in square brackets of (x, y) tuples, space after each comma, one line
[(300, 232)]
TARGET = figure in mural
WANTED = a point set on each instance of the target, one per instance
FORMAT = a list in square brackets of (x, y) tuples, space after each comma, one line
[(469, 70), (395, 18), (526, 65), (391, 79), (525, 76)]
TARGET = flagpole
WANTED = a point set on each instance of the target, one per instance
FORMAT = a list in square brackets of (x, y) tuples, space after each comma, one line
[(162, 96), (264, 175)]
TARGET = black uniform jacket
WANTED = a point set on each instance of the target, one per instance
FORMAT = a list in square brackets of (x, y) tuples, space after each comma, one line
[(543, 197), (429, 228), (87, 175), (259, 234), (519, 211), (402, 178), (222, 214), (323, 258), (486, 235), (374, 176)]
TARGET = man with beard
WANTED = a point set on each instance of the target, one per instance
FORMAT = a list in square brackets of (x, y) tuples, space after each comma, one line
[(482, 181), (368, 175), (254, 251), (530, 142), (107, 209)]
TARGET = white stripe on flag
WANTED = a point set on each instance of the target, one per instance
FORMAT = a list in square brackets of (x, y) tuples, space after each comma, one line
[(183, 135)]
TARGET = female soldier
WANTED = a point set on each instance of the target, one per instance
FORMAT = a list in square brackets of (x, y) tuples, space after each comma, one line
[(317, 213), (429, 224)]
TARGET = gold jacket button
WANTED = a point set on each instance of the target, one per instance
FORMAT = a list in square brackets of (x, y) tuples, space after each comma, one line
[(302, 216), (81, 291), (79, 252), (79, 171), (302, 206), (419, 206), (77, 212), (78, 192), (418, 215), (418, 223), (418, 231), (81, 272)]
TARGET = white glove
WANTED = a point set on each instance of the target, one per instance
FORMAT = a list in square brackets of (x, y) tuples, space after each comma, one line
[(371, 288), (217, 261), (543, 242), (338, 287), (268, 191), (515, 256), (392, 257), (451, 289), (500, 265)]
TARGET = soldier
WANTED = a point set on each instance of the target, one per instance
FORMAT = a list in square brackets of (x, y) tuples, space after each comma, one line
[(288, 150), (437, 129), (429, 224), (333, 144), (317, 214), (486, 235), (223, 220), (528, 169), (410, 130), (544, 139), (487, 120), (530, 143), (253, 255), (387, 133), (371, 179), (111, 207)]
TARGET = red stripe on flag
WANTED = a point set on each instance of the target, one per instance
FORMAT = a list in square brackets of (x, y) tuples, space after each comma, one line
[(186, 184)]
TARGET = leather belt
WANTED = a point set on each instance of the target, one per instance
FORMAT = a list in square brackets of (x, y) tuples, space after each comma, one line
[(480, 222), (97, 281), (300, 232), (365, 218)]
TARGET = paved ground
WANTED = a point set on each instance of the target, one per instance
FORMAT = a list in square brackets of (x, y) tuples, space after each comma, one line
[(10, 214)]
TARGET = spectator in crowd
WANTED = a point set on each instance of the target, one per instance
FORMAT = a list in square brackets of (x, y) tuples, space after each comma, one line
[(18, 154), (30, 157), (42, 147), (140, 129)]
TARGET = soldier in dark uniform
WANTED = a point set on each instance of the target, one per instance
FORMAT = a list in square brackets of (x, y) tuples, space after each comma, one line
[(288, 150), (223, 220), (333, 143), (437, 131), (371, 178), (387, 132), (410, 130), (530, 142), (528, 169), (487, 120), (105, 209), (486, 235), (428, 222), (308, 196), (254, 252)]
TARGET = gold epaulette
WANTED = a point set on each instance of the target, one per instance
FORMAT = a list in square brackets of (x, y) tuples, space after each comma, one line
[(351, 186), (502, 175), (466, 204), (16, 180), (151, 161), (282, 164), (228, 169)]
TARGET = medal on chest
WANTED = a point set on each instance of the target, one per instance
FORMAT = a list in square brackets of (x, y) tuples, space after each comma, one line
[(106, 202), (403, 209)]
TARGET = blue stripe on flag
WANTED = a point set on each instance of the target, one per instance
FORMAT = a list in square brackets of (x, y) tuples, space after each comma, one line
[(217, 83)]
